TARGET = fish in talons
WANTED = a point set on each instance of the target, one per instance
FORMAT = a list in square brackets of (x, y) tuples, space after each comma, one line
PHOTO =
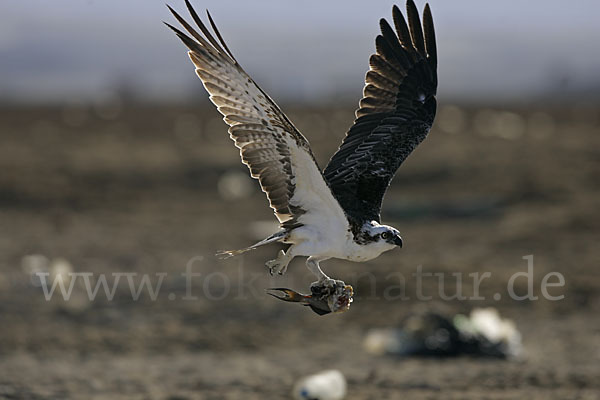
[(324, 298)]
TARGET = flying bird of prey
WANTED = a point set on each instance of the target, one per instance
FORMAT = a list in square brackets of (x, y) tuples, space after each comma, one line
[(335, 212)]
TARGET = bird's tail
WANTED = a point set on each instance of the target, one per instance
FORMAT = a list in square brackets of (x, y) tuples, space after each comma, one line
[(276, 237)]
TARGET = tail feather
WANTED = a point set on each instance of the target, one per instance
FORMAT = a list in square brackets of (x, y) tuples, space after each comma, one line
[(276, 237)]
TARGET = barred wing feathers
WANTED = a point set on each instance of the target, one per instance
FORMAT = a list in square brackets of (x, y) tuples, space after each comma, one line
[(276, 153)]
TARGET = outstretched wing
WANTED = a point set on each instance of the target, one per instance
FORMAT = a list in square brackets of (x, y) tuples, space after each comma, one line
[(273, 149), (395, 114)]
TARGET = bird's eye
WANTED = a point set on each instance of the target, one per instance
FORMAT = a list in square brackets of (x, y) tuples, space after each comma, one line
[(385, 235)]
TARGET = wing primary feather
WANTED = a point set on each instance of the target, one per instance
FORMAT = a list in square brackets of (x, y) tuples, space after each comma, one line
[(185, 38), (206, 32), (398, 52), (390, 52), (214, 26), (414, 24), (429, 31), (401, 28), (191, 30)]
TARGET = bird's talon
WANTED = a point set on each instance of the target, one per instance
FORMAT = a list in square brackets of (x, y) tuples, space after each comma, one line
[(278, 265), (324, 286)]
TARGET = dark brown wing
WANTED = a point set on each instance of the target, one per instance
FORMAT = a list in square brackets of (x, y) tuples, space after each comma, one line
[(396, 112)]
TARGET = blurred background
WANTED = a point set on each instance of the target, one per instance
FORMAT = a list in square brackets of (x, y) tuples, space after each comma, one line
[(112, 160)]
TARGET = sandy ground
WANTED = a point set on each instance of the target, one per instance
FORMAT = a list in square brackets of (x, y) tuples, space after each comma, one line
[(149, 190)]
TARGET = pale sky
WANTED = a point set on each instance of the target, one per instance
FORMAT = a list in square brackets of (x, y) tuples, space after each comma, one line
[(310, 50)]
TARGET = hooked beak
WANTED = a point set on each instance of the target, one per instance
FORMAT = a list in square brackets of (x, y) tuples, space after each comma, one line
[(398, 241)]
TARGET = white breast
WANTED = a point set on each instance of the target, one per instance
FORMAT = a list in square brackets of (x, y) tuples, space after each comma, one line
[(359, 253)]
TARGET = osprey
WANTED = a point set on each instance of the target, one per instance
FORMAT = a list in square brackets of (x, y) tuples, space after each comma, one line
[(335, 212)]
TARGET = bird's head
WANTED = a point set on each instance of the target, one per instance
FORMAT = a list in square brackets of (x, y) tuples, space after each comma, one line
[(385, 235), (390, 236)]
